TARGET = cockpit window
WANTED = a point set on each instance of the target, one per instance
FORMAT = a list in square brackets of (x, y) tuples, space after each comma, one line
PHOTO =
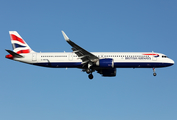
[(164, 56)]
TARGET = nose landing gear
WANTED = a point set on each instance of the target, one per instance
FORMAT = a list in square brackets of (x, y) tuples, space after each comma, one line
[(154, 73)]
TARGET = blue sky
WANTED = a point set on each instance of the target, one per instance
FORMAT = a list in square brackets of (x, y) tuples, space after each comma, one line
[(34, 93)]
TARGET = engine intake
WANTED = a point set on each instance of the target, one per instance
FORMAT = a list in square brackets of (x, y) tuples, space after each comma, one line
[(105, 63)]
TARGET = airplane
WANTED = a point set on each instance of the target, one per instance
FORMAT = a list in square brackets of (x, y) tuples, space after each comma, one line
[(105, 63)]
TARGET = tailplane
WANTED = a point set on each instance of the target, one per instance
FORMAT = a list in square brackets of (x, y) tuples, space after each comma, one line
[(13, 54), (18, 44)]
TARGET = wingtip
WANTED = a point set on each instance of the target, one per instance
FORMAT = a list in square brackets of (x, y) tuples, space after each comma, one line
[(65, 36)]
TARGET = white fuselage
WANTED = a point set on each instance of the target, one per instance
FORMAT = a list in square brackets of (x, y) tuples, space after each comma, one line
[(121, 59)]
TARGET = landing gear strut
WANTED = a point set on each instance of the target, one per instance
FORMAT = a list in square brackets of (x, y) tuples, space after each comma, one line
[(90, 76), (88, 71), (154, 73)]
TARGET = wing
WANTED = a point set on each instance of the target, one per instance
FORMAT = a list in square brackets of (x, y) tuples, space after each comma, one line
[(83, 54)]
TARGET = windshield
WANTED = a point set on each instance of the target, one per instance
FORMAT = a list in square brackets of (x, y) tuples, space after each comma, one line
[(164, 56)]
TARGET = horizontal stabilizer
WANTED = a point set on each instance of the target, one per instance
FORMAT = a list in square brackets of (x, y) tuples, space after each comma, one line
[(14, 54)]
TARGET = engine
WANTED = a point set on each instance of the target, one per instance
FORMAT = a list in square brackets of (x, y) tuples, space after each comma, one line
[(108, 72), (105, 63)]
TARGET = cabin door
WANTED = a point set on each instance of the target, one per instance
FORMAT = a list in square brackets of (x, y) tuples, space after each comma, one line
[(154, 58), (70, 57), (34, 57)]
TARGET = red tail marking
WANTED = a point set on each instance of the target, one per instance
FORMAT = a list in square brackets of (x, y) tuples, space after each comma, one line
[(24, 51), (14, 37), (9, 56)]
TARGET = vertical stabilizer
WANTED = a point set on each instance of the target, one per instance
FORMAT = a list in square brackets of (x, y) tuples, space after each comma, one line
[(18, 44)]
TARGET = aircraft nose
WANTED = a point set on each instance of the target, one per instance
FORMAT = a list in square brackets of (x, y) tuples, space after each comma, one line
[(171, 62)]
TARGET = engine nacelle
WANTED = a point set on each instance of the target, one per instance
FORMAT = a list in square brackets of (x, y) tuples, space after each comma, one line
[(105, 63), (108, 72)]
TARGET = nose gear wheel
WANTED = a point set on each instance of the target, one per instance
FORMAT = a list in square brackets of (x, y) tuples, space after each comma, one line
[(154, 73)]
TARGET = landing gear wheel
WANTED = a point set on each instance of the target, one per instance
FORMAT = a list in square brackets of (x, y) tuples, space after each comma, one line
[(154, 74), (90, 76)]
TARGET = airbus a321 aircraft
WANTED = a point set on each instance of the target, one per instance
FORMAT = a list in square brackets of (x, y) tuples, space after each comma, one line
[(104, 63)]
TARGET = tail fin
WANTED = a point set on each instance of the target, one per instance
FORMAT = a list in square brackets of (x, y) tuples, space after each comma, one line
[(18, 44)]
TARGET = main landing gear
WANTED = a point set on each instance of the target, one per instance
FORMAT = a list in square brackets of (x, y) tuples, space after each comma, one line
[(90, 76), (154, 73), (89, 71)]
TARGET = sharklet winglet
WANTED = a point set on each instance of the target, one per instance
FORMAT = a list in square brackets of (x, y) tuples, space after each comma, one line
[(65, 36)]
